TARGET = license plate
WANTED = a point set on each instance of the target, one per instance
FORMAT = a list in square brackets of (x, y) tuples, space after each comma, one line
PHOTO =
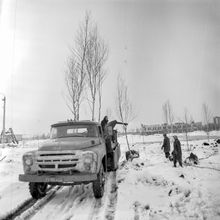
[(54, 179)]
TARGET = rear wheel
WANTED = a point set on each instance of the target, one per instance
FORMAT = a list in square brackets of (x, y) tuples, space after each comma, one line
[(98, 185), (37, 190)]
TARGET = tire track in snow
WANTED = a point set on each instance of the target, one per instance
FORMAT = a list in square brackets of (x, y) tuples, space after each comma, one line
[(29, 209), (61, 203), (24, 206), (102, 202), (105, 207), (112, 199), (202, 167), (66, 204), (2, 158)]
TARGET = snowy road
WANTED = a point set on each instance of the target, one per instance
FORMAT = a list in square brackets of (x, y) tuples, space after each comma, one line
[(146, 188), (78, 202)]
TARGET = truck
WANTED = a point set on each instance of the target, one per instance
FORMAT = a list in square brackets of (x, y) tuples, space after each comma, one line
[(77, 152)]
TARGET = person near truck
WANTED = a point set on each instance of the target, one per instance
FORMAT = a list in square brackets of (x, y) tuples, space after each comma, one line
[(166, 146), (104, 123), (177, 151)]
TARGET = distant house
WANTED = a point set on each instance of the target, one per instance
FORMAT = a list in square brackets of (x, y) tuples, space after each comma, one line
[(177, 127)]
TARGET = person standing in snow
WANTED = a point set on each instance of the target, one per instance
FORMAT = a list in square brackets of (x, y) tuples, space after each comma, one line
[(166, 146), (177, 151)]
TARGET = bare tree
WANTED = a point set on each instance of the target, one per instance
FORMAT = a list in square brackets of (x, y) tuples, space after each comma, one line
[(101, 78), (207, 117), (96, 56), (124, 108), (165, 114), (85, 68), (186, 121), (168, 114), (76, 72)]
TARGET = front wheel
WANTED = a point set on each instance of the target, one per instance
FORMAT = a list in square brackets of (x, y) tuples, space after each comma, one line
[(99, 183), (37, 190)]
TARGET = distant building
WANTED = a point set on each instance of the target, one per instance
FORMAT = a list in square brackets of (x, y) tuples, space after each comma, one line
[(178, 127)]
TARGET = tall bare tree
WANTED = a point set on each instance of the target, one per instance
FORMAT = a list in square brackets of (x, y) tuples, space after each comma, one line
[(76, 71), (165, 114), (96, 56), (101, 79), (124, 108), (207, 116), (186, 121), (168, 114)]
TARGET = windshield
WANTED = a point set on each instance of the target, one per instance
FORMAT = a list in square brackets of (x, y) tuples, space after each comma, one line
[(74, 131)]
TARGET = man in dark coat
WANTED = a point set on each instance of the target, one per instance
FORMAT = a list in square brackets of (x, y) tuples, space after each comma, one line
[(166, 146), (177, 151), (104, 122)]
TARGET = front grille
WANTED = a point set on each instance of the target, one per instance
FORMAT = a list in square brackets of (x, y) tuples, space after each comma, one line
[(66, 165), (48, 166), (56, 154), (57, 162), (69, 172)]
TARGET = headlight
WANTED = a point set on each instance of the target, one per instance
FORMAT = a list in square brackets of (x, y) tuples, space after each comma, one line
[(88, 157), (28, 160), (89, 161), (29, 165)]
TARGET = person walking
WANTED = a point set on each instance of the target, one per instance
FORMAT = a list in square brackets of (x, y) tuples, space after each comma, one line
[(177, 152), (166, 146)]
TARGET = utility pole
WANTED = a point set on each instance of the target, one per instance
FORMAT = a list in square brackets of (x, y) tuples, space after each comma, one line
[(3, 130)]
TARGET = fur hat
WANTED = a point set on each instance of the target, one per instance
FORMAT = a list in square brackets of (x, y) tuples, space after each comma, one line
[(175, 137)]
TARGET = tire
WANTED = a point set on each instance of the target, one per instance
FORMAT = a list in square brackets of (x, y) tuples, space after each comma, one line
[(37, 190), (98, 185)]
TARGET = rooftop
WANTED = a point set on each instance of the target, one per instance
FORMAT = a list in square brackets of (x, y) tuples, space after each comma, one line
[(71, 122)]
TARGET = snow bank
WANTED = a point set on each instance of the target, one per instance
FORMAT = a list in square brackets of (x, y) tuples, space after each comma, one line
[(149, 187)]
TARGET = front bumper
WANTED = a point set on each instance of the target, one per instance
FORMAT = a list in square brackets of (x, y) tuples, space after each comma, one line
[(75, 179)]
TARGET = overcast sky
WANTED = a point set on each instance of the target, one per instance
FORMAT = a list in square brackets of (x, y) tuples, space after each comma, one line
[(164, 50)]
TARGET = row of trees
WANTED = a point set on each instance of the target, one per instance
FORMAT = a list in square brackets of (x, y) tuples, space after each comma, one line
[(168, 115), (85, 69), (85, 75)]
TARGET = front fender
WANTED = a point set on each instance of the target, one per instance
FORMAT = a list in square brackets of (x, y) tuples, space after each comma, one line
[(100, 150)]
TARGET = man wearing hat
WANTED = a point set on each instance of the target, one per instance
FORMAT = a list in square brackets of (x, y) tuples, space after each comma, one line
[(177, 152), (166, 146)]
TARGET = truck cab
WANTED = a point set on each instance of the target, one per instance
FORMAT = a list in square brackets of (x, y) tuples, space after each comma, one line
[(76, 153)]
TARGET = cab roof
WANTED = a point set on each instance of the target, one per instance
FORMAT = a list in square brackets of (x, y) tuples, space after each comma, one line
[(71, 122)]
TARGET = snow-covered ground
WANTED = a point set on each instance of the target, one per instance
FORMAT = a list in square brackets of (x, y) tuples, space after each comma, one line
[(149, 187)]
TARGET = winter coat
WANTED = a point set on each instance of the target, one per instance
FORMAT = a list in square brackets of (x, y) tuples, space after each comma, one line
[(104, 122), (166, 144), (177, 152)]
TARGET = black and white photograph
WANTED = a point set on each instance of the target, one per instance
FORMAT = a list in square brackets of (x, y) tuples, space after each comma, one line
[(109, 109)]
